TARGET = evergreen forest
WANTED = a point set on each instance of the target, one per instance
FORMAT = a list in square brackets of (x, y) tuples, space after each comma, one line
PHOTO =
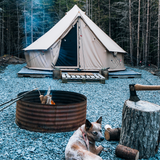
[(133, 24)]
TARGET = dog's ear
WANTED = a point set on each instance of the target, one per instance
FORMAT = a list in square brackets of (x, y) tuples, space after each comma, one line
[(88, 125), (99, 120)]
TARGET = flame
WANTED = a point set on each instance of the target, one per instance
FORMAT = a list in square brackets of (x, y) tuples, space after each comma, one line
[(52, 102)]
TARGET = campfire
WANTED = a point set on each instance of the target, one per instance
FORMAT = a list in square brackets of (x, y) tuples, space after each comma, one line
[(47, 99), (56, 111)]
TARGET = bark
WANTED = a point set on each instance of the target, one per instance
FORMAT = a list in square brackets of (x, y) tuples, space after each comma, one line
[(31, 21), (138, 32), (143, 30), (25, 27), (130, 33), (2, 35), (140, 127), (158, 54), (127, 153), (109, 18), (147, 30), (18, 32)]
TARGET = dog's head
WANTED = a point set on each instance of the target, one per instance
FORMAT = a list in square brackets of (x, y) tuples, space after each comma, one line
[(94, 130)]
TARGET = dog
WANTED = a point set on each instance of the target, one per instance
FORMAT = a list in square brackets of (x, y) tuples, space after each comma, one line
[(81, 145)]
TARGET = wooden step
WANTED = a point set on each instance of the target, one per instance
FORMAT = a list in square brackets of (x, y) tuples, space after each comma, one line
[(82, 77)]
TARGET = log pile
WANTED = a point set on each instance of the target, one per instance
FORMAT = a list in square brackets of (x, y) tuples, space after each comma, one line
[(11, 60), (47, 99)]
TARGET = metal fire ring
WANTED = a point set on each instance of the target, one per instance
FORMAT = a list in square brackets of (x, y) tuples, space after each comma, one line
[(67, 115)]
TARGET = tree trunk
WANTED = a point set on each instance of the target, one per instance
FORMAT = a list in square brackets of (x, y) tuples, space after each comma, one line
[(158, 54), (138, 32), (140, 127), (147, 29), (130, 33), (8, 35), (25, 27), (18, 31), (143, 30), (31, 21), (2, 35), (109, 18)]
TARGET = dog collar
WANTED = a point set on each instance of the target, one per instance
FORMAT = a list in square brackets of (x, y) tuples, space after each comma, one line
[(85, 139)]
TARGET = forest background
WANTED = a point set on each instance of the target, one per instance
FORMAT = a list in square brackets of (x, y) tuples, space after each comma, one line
[(133, 24)]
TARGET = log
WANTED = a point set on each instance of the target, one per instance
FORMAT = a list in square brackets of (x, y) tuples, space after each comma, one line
[(140, 127), (126, 152), (57, 74), (112, 134)]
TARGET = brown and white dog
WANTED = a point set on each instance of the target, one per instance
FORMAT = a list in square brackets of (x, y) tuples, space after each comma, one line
[(81, 145)]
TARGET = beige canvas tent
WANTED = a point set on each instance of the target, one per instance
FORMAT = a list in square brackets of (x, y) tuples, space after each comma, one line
[(75, 43)]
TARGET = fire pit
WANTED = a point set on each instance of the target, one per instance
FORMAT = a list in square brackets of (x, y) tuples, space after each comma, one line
[(67, 115)]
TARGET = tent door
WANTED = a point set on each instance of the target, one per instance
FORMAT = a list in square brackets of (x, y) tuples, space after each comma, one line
[(68, 51)]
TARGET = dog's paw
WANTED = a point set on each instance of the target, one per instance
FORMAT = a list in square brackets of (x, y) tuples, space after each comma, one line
[(99, 149)]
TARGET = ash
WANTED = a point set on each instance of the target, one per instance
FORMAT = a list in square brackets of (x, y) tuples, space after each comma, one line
[(104, 100)]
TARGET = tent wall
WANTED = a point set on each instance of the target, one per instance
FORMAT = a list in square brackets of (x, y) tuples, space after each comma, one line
[(43, 59), (93, 55), (115, 62)]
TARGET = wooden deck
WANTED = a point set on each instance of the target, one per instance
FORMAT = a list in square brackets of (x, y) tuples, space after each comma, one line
[(78, 76), (25, 72), (125, 74)]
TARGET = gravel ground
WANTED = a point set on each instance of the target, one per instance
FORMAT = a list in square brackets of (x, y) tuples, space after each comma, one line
[(104, 100)]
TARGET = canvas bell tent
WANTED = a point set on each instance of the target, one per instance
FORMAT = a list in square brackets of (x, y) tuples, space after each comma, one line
[(75, 43)]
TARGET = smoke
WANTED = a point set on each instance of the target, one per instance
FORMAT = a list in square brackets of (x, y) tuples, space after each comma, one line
[(38, 19)]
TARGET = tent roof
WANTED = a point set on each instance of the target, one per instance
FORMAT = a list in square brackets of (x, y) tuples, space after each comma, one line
[(49, 38)]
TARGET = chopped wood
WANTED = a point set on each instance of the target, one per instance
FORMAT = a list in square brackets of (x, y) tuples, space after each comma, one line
[(47, 99), (126, 152), (107, 126), (112, 134)]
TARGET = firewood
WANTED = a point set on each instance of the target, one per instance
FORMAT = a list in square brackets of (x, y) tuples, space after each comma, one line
[(112, 134), (41, 98), (107, 126), (44, 99), (126, 152)]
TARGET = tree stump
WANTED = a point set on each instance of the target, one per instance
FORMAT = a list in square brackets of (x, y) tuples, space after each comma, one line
[(140, 127)]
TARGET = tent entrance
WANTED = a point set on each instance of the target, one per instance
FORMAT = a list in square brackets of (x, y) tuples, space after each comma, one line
[(68, 51)]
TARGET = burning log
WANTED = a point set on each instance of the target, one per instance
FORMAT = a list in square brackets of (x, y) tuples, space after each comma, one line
[(126, 152), (47, 99), (112, 134)]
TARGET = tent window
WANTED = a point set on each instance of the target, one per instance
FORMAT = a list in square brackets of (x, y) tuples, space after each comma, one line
[(68, 50)]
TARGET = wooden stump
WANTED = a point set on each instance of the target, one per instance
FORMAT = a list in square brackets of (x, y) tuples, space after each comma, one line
[(57, 74), (140, 127), (126, 152)]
